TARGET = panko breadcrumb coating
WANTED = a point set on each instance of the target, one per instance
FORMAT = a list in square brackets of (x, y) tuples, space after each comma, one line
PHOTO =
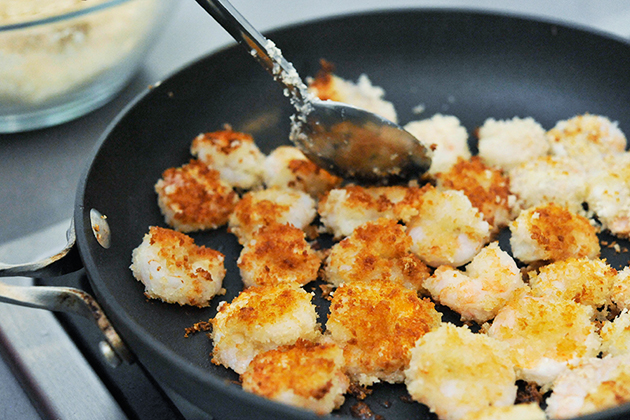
[(487, 189), (551, 232), (586, 281), (525, 411), (233, 154), (509, 143), (376, 250), (590, 386), (489, 282), (377, 324), (261, 319), (328, 86), (545, 335), (621, 289), (586, 138), (273, 205), (305, 374), (455, 372), (175, 270), (615, 335), (287, 167), (447, 230), (608, 194), (193, 197), (341, 210), (278, 253), (446, 136), (550, 179)]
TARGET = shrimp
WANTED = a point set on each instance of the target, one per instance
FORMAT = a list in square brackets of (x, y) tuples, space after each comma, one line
[(455, 372), (447, 230), (175, 270), (376, 324), (260, 319), (193, 197), (525, 411), (616, 335), (551, 232), (489, 282)]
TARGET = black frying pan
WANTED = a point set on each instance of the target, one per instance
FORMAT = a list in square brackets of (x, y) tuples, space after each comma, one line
[(468, 64)]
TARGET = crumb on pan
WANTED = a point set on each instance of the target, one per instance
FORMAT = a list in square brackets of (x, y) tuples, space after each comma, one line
[(278, 253), (273, 205), (305, 374), (509, 143), (545, 335), (486, 187), (175, 270), (446, 136), (377, 324), (447, 230), (551, 232), (287, 167), (376, 250), (193, 197), (489, 281), (454, 372), (260, 319), (233, 154), (589, 386)]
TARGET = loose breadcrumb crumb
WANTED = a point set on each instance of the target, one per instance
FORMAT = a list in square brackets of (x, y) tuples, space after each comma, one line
[(175, 270), (377, 324), (455, 372), (304, 374), (193, 197)]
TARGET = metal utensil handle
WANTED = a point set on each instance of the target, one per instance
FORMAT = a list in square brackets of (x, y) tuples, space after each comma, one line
[(62, 299), (260, 47)]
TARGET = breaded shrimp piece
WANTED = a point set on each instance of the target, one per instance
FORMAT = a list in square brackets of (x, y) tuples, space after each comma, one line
[(193, 197), (273, 205), (447, 230), (376, 250), (608, 194), (261, 319), (455, 372), (586, 138), (621, 289), (551, 232), (328, 86), (341, 210), (586, 281), (287, 167), (488, 283), (175, 270), (487, 189), (592, 385), (233, 154), (616, 335), (509, 143), (278, 253), (545, 335), (304, 374), (550, 179), (446, 136), (526, 411), (377, 324)]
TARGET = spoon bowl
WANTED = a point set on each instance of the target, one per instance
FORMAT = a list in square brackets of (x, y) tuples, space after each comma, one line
[(348, 141)]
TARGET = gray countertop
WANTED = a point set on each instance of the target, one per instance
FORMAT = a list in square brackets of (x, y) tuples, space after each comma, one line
[(40, 170)]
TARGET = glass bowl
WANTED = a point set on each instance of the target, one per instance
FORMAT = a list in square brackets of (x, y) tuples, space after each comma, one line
[(62, 59)]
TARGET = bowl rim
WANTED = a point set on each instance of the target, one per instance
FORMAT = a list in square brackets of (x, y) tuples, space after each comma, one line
[(62, 17)]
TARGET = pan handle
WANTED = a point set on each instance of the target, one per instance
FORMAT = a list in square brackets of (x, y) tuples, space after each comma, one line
[(63, 299)]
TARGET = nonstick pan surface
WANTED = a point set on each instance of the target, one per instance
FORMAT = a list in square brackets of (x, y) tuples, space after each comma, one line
[(468, 64)]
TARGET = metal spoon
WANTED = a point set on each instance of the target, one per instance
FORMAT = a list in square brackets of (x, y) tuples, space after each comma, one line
[(345, 140)]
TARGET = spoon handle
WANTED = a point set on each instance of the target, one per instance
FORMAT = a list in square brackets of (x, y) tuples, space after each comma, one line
[(265, 51)]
